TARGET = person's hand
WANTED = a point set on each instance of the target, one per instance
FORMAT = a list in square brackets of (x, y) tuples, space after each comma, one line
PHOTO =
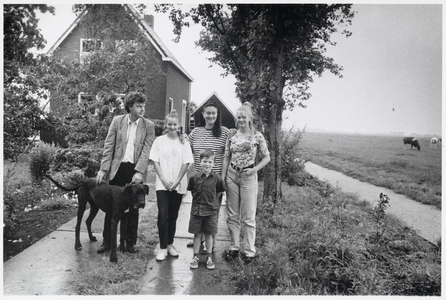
[(167, 184), (183, 137), (100, 176), (250, 171), (174, 186), (137, 178)]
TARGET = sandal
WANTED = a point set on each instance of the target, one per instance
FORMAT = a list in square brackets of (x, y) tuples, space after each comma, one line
[(230, 255)]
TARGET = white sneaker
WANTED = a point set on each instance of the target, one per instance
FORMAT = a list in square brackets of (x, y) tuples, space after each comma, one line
[(209, 263), (172, 251), (194, 262), (161, 255)]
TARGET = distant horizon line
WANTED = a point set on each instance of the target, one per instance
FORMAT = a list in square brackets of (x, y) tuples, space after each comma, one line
[(394, 133)]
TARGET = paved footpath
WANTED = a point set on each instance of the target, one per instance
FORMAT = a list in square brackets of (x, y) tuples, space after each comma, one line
[(173, 276), (45, 267), (424, 219)]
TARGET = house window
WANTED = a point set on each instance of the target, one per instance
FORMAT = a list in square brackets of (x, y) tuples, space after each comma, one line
[(170, 104), (126, 45), (82, 97), (183, 113), (89, 46)]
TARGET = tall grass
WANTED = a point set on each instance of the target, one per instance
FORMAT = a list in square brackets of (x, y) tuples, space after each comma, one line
[(313, 245), (381, 161)]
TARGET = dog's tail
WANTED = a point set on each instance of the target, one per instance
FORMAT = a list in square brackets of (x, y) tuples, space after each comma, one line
[(61, 186)]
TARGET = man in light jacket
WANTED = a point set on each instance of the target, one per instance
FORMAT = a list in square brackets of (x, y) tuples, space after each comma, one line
[(125, 159)]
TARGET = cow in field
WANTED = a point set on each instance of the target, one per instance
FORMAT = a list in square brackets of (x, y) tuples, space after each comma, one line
[(434, 142), (413, 142)]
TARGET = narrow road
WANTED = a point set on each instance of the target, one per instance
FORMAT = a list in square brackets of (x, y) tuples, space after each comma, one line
[(424, 219)]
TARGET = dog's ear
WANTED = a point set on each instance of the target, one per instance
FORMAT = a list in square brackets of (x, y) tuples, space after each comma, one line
[(128, 188), (146, 188)]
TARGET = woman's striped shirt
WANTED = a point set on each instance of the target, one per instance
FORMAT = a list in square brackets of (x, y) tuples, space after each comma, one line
[(201, 138)]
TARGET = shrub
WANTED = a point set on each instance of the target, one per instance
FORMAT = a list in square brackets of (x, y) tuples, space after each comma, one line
[(74, 178), (85, 158), (18, 198), (291, 164), (159, 127), (40, 159), (58, 202)]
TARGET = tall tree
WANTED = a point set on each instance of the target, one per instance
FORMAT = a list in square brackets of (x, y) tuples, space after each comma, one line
[(23, 115), (273, 50), (20, 35)]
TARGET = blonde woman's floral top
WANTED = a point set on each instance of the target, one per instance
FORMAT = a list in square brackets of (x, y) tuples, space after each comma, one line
[(243, 150)]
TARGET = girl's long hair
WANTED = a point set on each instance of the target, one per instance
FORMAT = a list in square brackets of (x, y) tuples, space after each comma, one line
[(216, 130)]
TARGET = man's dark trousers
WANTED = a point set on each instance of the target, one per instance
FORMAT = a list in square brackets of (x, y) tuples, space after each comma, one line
[(123, 176)]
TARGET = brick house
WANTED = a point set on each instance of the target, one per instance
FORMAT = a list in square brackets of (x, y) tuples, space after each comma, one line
[(170, 90), (227, 116)]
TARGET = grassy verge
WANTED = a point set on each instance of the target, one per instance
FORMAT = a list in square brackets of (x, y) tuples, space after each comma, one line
[(329, 246), (104, 278), (380, 161)]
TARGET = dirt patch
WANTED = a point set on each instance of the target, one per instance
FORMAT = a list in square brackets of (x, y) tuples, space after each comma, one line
[(32, 226)]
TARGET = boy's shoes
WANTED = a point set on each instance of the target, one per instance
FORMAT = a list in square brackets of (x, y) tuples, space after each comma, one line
[(209, 263), (161, 255), (231, 255), (172, 251), (249, 259), (194, 263)]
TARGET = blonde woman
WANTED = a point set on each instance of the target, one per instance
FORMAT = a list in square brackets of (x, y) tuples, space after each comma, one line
[(240, 172)]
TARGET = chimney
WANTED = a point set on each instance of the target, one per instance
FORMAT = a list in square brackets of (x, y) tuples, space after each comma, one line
[(150, 19)]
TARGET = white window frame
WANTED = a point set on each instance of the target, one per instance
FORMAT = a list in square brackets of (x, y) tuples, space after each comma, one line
[(171, 102), (183, 113), (84, 53)]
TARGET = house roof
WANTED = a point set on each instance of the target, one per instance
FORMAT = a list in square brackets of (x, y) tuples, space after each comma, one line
[(148, 31), (218, 98)]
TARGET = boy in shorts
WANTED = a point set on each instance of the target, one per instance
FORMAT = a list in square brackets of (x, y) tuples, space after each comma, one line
[(204, 187)]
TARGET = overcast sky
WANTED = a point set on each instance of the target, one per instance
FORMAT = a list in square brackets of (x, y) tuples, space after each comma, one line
[(392, 70)]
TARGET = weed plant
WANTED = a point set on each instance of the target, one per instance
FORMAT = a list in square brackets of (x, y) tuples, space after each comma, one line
[(310, 244), (40, 159), (21, 193)]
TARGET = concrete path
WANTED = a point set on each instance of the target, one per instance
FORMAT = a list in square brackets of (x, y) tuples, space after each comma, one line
[(424, 219), (45, 267), (173, 276)]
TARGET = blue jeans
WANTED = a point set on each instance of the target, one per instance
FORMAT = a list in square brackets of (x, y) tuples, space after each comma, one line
[(168, 206), (241, 205)]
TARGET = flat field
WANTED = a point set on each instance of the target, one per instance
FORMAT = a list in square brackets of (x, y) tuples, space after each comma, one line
[(379, 160)]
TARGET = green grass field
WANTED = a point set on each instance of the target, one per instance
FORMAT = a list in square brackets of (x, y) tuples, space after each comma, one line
[(379, 160)]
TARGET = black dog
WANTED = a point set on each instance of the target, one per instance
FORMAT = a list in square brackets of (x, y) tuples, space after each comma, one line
[(111, 199)]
